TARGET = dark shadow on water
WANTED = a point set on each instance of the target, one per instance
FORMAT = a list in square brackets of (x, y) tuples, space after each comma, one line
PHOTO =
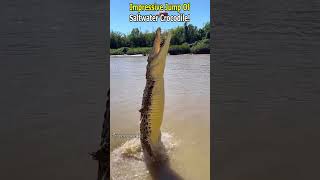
[(161, 169), (102, 155)]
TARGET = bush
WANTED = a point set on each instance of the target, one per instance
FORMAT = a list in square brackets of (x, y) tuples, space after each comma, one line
[(119, 51), (201, 47), (179, 49), (130, 51), (139, 50)]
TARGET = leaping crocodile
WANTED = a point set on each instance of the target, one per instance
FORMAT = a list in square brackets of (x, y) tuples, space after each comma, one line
[(153, 96)]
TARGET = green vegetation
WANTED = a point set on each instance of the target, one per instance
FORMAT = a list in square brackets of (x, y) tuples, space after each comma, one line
[(201, 47), (119, 51), (185, 39), (139, 50), (179, 49), (130, 51)]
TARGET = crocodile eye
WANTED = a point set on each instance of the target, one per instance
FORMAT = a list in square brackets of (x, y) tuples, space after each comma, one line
[(162, 42)]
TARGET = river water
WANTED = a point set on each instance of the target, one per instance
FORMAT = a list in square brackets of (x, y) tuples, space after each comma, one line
[(186, 123)]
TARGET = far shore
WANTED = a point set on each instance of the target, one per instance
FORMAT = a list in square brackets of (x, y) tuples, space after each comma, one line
[(199, 47)]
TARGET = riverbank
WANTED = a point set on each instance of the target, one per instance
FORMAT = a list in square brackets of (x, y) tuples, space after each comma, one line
[(199, 47)]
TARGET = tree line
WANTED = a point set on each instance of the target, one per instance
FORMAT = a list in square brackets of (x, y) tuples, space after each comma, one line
[(181, 34)]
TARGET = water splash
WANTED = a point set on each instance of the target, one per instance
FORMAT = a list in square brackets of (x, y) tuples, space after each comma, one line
[(128, 161)]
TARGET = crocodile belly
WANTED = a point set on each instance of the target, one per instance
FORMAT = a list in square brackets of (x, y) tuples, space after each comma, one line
[(156, 110), (152, 114)]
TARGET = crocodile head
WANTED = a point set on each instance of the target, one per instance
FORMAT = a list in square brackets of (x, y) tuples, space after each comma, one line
[(158, 55)]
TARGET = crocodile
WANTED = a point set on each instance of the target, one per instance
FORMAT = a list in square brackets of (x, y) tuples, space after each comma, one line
[(153, 96)]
